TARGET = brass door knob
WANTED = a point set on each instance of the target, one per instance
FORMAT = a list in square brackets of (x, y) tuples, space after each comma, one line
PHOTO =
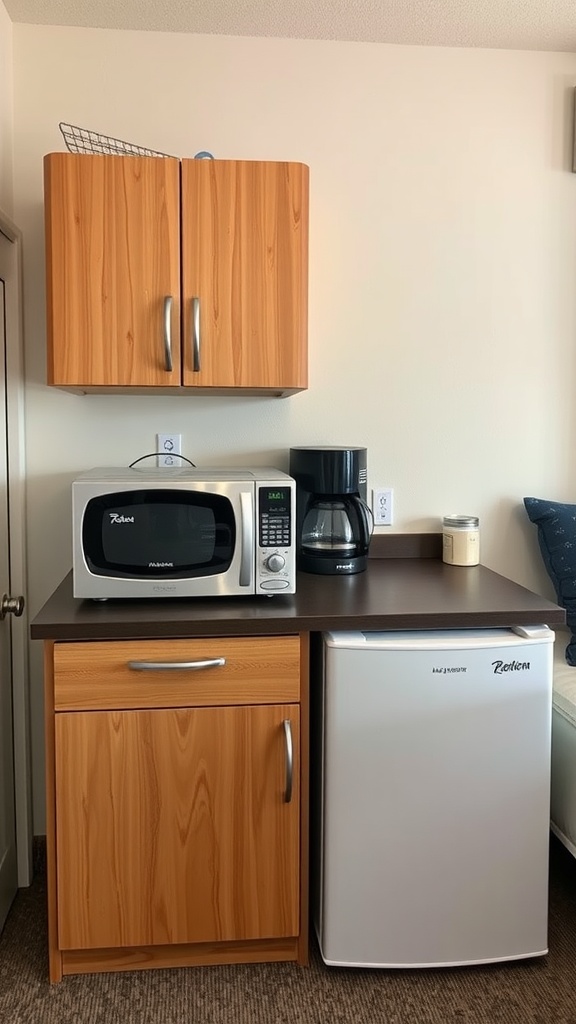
[(12, 605)]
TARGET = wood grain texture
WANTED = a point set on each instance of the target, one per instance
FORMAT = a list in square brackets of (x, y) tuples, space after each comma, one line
[(112, 256), (172, 826), (97, 675), (54, 954), (245, 256), (303, 938), (198, 954)]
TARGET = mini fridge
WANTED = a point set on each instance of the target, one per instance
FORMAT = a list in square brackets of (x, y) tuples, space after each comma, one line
[(432, 782)]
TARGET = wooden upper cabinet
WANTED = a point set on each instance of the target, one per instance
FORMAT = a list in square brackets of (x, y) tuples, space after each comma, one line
[(245, 274), (112, 261), (168, 274)]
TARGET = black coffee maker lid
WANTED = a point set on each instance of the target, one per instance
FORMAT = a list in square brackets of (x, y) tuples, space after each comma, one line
[(329, 469)]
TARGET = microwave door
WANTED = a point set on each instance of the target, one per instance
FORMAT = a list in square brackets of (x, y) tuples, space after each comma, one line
[(247, 539)]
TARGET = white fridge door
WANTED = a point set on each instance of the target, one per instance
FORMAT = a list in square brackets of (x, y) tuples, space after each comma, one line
[(435, 814)]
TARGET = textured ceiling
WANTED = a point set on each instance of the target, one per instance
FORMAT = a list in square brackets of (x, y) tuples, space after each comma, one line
[(509, 24)]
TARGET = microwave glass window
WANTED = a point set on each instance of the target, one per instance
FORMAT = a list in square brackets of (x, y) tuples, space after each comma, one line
[(157, 533), (168, 535)]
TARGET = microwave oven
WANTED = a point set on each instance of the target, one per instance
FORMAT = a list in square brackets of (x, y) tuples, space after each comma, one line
[(182, 532)]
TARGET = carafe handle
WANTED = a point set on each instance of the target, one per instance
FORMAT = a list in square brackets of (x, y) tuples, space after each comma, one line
[(367, 520)]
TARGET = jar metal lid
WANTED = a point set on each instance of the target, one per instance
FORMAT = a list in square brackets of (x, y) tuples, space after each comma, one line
[(469, 522)]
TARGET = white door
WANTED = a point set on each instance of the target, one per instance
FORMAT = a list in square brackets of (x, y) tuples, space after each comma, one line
[(10, 734)]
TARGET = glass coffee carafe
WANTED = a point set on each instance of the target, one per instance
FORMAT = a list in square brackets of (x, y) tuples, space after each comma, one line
[(336, 526)]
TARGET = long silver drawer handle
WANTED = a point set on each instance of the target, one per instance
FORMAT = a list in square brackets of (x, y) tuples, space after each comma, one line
[(196, 334), (179, 666), (289, 760), (168, 332)]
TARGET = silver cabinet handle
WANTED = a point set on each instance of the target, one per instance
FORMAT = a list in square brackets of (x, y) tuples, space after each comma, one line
[(196, 335), (178, 666), (168, 333), (289, 760), (246, 539)]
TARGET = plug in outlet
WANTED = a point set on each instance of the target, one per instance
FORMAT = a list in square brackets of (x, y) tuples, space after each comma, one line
[(382, 505), (167, 446)]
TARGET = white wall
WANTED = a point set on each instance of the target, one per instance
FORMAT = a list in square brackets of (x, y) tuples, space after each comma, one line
[(442, 269), (6, 113)]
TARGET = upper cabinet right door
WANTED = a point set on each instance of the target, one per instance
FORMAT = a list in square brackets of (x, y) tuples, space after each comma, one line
[(245, 275)]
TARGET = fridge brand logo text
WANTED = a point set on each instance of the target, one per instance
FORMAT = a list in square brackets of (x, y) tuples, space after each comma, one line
[(509, 666)]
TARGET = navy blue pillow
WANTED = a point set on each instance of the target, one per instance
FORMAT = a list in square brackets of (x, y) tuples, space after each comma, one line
[(556, 522)]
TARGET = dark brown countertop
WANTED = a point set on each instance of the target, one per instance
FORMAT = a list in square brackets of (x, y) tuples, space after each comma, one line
[(393, 593)]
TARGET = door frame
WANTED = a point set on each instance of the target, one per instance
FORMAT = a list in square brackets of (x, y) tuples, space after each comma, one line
[(17, 549)]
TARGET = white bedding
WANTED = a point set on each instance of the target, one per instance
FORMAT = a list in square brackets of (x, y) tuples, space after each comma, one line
[(563, 778), (564, 698)]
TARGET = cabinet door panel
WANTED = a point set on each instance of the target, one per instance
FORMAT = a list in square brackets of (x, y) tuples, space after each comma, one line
[(172, 826), (245, 257), (112, 257)]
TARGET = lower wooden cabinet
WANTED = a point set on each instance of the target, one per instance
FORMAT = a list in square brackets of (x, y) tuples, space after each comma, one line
[(177, 799)]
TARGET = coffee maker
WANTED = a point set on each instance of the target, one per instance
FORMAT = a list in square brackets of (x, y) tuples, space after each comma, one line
[(333, 521)]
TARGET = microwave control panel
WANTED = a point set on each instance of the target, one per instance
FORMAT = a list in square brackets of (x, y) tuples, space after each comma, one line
[(276, 562)]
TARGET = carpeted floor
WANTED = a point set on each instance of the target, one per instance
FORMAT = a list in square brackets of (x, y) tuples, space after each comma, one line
[(539, 991)]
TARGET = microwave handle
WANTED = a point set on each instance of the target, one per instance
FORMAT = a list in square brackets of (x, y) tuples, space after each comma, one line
[(247, 539), (161, 666)]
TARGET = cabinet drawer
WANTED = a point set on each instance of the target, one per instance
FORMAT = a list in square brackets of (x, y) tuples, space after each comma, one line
[(134, 674)]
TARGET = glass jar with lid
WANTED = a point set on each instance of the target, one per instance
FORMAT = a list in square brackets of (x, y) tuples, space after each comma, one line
[(461, 540)]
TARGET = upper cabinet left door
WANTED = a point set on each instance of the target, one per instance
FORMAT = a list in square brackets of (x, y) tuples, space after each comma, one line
[(112, 271)]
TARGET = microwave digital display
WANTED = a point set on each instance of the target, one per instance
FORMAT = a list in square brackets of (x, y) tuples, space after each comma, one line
[(151, 534), (275, 499)]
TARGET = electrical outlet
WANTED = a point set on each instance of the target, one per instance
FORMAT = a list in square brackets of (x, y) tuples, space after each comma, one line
[(168, 446), (382, 506)]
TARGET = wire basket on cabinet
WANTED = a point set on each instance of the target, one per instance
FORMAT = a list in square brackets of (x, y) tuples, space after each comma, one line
[(84, 140)]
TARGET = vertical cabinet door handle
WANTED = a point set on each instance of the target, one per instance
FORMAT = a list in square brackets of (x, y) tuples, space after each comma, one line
[(289, 760), (168, 333), (196, 334)]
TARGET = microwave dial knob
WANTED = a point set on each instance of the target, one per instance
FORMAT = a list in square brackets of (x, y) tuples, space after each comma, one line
[(275, 563)]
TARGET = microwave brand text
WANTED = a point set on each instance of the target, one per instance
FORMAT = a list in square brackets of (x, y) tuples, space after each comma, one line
[(115, 517)]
